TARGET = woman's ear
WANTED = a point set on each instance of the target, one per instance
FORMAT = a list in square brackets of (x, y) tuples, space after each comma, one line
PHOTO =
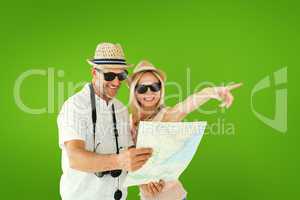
[(129, 82)]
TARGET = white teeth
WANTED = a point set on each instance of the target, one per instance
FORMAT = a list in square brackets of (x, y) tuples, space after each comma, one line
[(148, 98)]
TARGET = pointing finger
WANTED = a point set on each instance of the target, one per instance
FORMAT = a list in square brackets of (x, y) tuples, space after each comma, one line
[(234, 86)]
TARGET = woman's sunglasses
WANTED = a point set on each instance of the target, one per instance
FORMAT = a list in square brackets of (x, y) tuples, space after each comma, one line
[(142, 89), (110, 76)]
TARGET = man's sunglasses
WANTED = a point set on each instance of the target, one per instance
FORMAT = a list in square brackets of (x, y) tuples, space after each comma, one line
[(110, 76), (142, 89)]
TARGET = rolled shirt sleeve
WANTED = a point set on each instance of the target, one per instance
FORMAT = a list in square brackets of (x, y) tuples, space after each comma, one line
[(71, 123)]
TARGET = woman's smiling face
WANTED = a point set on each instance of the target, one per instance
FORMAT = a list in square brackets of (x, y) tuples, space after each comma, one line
[(149, 99)]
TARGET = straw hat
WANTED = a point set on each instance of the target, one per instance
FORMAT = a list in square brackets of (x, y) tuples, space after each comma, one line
[(144, 66), (109, 55)]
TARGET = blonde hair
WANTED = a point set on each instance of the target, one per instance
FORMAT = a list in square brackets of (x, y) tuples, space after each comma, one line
[(135, 107)]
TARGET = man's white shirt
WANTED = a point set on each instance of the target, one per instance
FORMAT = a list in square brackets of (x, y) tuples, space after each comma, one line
[(75, 123)]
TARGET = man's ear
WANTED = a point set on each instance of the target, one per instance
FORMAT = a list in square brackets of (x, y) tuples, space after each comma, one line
[(93, 71)]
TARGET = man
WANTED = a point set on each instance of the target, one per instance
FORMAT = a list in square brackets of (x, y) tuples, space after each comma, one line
[(94, 133)]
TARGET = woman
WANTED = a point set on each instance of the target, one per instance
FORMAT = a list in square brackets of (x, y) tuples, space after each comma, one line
[(147, 104)]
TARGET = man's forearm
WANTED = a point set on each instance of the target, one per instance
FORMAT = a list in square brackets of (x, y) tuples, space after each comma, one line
[(83, 160)]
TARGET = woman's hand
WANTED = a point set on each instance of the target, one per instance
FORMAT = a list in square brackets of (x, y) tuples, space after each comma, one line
[(194, 101), (152, 189), (223, 94)]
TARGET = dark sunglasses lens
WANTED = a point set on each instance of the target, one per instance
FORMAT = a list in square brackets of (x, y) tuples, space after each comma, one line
[(155, 87), (141, 89), (122, 76), (109, 76), (116, 173)]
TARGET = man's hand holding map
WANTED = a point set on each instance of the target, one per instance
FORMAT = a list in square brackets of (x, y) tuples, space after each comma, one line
[(174, 145)]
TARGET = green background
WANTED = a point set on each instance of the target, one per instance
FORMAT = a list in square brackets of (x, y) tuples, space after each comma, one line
[(219, 41)]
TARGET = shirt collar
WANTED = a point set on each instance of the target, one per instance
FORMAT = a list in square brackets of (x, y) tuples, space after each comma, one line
[(103, 102), (100, 100)]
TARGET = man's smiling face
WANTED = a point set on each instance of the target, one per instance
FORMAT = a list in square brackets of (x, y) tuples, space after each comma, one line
[(107, 89)]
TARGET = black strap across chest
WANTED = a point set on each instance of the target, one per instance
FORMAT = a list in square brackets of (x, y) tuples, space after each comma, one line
[(94, 118)]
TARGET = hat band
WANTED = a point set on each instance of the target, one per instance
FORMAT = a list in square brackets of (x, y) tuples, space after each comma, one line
[(110, 61)]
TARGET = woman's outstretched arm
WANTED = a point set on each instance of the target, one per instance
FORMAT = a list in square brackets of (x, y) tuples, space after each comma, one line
[(191, 103)]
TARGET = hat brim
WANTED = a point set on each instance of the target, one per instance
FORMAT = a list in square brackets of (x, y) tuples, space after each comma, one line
[(109, 66)]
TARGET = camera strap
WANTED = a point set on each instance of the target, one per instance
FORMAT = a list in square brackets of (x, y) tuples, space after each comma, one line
[(94, 113), (115, 173), (94, 119), (115, 128)]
